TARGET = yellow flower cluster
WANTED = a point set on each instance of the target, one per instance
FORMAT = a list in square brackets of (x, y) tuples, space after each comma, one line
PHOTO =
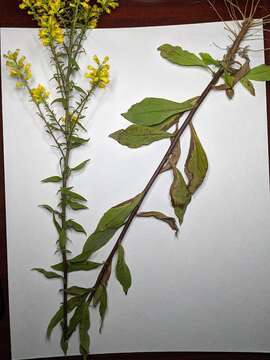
[(46, 13), (50, 31), (39, 94), (99, 76), (18, 67), (108, 5), (50, 13)]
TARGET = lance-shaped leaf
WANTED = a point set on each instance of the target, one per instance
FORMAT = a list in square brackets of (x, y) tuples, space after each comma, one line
[(248, 85), (176, 55), (77, 290), (209, 60), (84, 327), (80, 266), (168, 123), (103, 304), (58, 316), (76, 206), (72, 195), (122, 271), (74, 321), (71, 224), (48, 274), (180, 196), (80, 166), (153, 111), (160, 216), (196, 164), (78, 141), (53, 179), (110, 222), (259, 73), (136, 136)]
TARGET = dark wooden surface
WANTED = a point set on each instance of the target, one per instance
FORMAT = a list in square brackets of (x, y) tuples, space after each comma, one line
[(130, 13)]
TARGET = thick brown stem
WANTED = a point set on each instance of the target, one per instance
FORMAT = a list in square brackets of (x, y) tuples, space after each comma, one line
[(228, 60)]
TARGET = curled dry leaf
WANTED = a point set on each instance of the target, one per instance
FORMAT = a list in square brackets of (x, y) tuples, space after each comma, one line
[(160, 216)]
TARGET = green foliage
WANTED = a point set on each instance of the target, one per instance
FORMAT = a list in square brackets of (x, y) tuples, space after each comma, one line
[(209, 60), (53, 179), (103, 305), (196, 165), (176, 55), (71, 224), (259, 73), (84, 326), (77, 266), (248, 85), (48, 274), (136, 136), (80, 166), (122, 271), (153, 111), (58, 316), (110, 222)]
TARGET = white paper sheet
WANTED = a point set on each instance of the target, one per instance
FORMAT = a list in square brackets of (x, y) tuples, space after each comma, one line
[(208, 289)]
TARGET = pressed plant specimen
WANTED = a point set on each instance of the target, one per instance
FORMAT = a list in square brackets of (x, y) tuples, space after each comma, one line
[(151, 119), (63, 28)]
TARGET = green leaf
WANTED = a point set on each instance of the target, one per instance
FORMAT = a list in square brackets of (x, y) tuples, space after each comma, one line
[(71, 224), (248, 85), (110, 222), (53, 179), (79, 89), (229, 79), (168, 123), (80, 266), (83, 329), (72, 195), (103, 304), (48, 274), (153, 111), (74, 321), (180, 195), (259, 73), (196, 164), (176, 55), (48, 207), (208, 59), (122, 271), (80, 166), (77, 141), (60, 100), (160, 216), (77, 290), (58, 316), (76, 206), (136, 136), (64, 344)]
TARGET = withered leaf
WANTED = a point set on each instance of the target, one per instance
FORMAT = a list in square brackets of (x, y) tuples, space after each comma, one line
[(180, 195), (160, 216)]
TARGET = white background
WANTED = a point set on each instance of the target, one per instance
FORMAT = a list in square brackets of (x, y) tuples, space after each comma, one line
[(208, 289)]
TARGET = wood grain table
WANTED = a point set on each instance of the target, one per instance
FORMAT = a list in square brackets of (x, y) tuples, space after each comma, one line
[(130, 13)]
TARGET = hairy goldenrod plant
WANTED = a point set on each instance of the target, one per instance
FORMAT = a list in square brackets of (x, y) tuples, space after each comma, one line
[(63, 26), (151, 119)]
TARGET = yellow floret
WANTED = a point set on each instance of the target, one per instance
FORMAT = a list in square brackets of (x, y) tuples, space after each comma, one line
[(99, 76), (39, 94)]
